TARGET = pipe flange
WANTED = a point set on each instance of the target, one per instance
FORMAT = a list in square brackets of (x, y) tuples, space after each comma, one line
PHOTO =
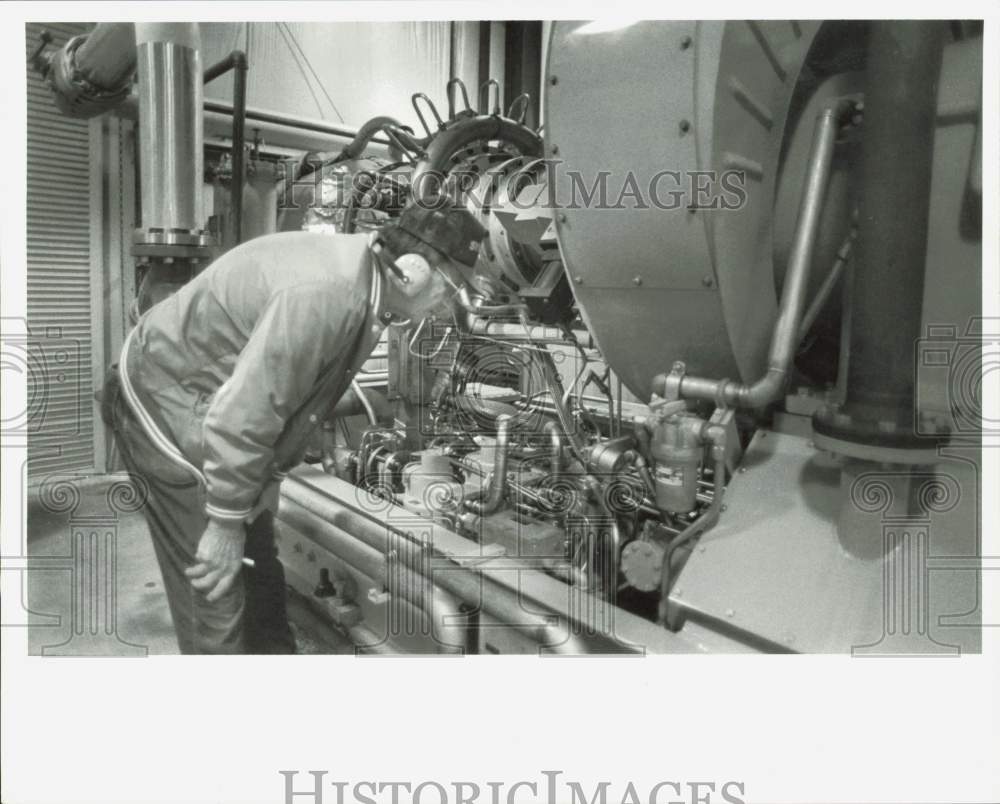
[(175, 237), (836, 430)]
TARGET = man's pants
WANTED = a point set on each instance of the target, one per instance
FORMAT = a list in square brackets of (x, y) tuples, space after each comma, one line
[(251, 617)]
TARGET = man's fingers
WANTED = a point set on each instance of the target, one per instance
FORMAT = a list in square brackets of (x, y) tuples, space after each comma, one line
[(198, 570), (206, 582), (221, 588)]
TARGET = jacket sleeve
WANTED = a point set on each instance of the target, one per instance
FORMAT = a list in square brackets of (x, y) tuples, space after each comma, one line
[(293, 342)]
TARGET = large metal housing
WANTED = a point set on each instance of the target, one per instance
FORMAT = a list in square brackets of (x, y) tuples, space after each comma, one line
[(653, 284)]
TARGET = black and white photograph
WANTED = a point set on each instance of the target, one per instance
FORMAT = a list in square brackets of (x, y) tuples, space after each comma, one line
[(461, 402)]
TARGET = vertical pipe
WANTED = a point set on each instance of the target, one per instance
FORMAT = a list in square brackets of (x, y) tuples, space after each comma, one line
[(170, 107), (239, 138), (904, 62)]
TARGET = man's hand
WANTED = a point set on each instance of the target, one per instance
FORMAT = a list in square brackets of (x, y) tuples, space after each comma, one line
[(218, 560)]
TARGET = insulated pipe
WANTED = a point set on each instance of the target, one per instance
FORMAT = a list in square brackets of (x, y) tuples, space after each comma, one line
[(469, 584), (170, 126), (784, 339), (106, 57), (438, 606), (498, 478), (904, 65)]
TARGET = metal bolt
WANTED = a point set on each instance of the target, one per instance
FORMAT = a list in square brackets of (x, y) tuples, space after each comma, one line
[(678, 367), (553, 79), (730, 612), (637, 280), (685, 42), (562, 217), (707, 281), (743, 470), (578, 279)]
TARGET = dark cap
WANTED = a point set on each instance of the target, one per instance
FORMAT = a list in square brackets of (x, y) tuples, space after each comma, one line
[(452, 230)]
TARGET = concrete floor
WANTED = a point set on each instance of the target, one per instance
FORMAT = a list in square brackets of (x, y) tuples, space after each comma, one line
[(83, 552)]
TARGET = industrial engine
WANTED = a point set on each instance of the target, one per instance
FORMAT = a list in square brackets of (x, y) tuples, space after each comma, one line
[(684, 403)]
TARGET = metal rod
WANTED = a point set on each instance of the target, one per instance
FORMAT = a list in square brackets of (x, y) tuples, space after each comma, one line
[(830, 282), (236, 61)]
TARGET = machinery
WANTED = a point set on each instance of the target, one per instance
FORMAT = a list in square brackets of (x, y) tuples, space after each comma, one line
[(694, 398)]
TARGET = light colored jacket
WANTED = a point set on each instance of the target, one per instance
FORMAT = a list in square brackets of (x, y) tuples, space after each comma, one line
[(231, 375)]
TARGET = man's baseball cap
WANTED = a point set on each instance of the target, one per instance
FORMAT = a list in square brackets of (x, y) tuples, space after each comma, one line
[(450, 229)]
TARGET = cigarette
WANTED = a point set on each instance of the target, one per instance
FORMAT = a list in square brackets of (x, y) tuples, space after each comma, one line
[(250, 562)]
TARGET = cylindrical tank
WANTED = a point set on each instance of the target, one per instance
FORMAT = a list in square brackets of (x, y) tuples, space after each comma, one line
[(170, 126), (677, 454)]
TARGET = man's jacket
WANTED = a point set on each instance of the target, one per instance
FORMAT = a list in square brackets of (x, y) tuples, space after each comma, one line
[(231, 375)]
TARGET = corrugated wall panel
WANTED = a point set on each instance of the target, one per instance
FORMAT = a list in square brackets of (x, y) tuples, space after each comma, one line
[(60, 314)]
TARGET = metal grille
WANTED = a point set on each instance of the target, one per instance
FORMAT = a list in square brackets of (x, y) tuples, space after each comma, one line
[(60, 379)]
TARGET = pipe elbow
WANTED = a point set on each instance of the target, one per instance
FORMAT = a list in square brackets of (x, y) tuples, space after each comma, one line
[(498, 478), (766, 390), (551, 429)]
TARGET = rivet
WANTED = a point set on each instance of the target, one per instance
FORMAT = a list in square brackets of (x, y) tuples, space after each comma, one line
[(637, 280), (685, 42), (685, 126), (730, 612), (743, 470), (578, 279), (555, 149), (553, 79), (707, 281), (562, 217)]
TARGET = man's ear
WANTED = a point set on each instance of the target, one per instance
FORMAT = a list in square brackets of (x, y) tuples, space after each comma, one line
[(415, 274)]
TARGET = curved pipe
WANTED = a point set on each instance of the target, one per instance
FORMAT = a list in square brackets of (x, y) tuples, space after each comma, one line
[(439, 607), (610, 582), (355, 148), (365, 134), (351, 404), (784, 339), (430, 170), (554, 433), (498, 478)]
